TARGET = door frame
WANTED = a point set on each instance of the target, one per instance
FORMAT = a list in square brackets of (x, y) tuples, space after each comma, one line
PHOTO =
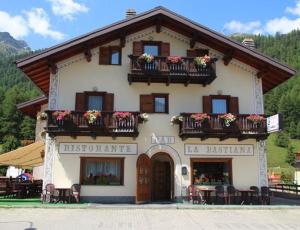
[(172, 168)]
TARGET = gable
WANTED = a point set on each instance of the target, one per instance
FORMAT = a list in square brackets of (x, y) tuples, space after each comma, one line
[(39, 66)]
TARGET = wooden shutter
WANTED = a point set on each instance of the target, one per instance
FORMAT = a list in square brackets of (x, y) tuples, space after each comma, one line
[(207, 107), (80, 102), (104, 56), (146, 103), (191, 53), (165, 49), (137, 48), (234, 105), (108, 102)]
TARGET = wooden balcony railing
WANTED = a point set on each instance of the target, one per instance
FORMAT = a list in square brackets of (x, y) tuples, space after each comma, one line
[(105, 125), (160, 71), (241, 128)]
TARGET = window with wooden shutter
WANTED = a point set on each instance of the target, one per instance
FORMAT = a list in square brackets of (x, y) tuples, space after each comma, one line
[(80, 102), (234, 105), (137, 48), (146, 103), (207, 107), (104, 57), (109, 102), (165, 49)]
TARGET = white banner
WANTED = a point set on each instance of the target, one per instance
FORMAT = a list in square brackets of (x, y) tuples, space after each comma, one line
[(219, 150), (98, 148)]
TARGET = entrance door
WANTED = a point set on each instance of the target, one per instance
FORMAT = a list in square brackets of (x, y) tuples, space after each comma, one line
[(143, 188), (161, 181)]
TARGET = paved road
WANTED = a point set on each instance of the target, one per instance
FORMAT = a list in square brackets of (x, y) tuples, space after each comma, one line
[(166, 219)]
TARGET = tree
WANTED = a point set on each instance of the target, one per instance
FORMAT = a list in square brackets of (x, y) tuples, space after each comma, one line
[(291, 156), (298, 130), (27, 131), (282, 139), (10, 143), (293, 130)]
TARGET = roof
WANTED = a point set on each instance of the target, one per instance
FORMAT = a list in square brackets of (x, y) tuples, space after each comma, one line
[(36, 66), (31, 107)]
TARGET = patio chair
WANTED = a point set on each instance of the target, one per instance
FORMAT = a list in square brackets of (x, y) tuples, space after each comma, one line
[(231, 194), (195, 195), (265, 195), (220, 194), (49, 194), (75, 193), (255, 195)]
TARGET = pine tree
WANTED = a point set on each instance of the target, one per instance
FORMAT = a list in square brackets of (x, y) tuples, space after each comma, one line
[(291, 156), (293, 130)]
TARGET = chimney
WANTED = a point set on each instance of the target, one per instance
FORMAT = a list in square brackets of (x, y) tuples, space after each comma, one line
[(130, 13), (249, 42)]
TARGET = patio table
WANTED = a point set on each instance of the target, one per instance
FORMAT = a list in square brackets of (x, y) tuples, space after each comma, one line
[(207, 194), (62, 195), (245, 195)]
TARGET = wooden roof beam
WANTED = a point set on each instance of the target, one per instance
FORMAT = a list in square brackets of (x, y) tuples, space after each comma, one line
[(228, 55), (88, 54), (158, 23), (193, 41), (122, 39), (262, 72), (52, 67)]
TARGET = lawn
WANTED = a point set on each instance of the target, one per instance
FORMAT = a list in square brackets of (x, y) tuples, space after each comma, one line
[(33, 202)]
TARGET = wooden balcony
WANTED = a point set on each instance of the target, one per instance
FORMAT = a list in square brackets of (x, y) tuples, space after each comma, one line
[(106, 125), (241, 128), (160, 71)]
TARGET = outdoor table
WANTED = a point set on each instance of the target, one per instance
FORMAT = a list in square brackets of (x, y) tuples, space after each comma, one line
[(62, 195), (245, 195), (207, 194)]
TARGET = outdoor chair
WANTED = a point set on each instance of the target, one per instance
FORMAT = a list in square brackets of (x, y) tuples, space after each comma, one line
[(255, 195), (49, 193), (75, 193), (220, 194), (231, 194), (195, 195), (265, 195)]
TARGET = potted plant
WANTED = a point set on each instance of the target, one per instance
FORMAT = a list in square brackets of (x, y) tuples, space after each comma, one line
[(228, 119), (202, 61), (146, 58), (256, 119), (142, 118), (92, 116), (174, 60), (62, 118), (176, 120), (122, 116), (42, 116), (201, 119)]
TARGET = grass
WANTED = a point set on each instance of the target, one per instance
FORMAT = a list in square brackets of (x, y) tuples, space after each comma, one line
[(33, 202)]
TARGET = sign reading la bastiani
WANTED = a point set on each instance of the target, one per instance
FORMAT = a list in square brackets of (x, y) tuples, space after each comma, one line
[(98, 148), (219, 150)]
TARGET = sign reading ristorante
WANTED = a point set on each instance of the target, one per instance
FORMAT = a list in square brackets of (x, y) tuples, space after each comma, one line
[(98, 148), (219, 150)]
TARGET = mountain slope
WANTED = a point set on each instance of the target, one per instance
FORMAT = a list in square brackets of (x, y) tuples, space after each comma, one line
[(9, 45)]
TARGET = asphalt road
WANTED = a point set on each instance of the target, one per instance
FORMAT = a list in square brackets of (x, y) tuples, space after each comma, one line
[(166, 219)]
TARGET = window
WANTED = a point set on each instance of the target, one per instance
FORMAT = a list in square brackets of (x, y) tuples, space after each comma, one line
[(102, 171), (95, 103), (160, 103), (152, 48), (211, 171), (115, 56), (219, 105)]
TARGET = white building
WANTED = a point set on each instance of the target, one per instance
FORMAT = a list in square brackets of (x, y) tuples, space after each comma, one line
[(118, 159)]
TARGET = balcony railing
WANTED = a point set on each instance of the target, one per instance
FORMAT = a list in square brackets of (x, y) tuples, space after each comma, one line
[(160, 71), (106, 125), (241, 128)]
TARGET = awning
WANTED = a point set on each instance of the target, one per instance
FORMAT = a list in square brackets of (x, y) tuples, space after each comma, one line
[(25, 157)]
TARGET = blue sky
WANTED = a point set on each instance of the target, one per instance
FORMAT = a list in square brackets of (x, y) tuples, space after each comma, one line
[(43, 23)]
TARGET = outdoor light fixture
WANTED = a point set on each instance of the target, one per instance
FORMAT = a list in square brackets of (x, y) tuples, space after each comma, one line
[(184, 170)]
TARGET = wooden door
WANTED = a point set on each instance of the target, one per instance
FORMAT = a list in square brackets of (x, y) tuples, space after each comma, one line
[(161, 181), (143, 176)]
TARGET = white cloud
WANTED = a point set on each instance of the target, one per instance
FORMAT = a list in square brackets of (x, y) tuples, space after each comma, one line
[(248, 27), (67, 8), (38, 22), (294, 10), (282, 25), (15, 25)]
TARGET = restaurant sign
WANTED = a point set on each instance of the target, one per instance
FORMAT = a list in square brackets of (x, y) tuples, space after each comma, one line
[(98, 148), (219, 150)]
